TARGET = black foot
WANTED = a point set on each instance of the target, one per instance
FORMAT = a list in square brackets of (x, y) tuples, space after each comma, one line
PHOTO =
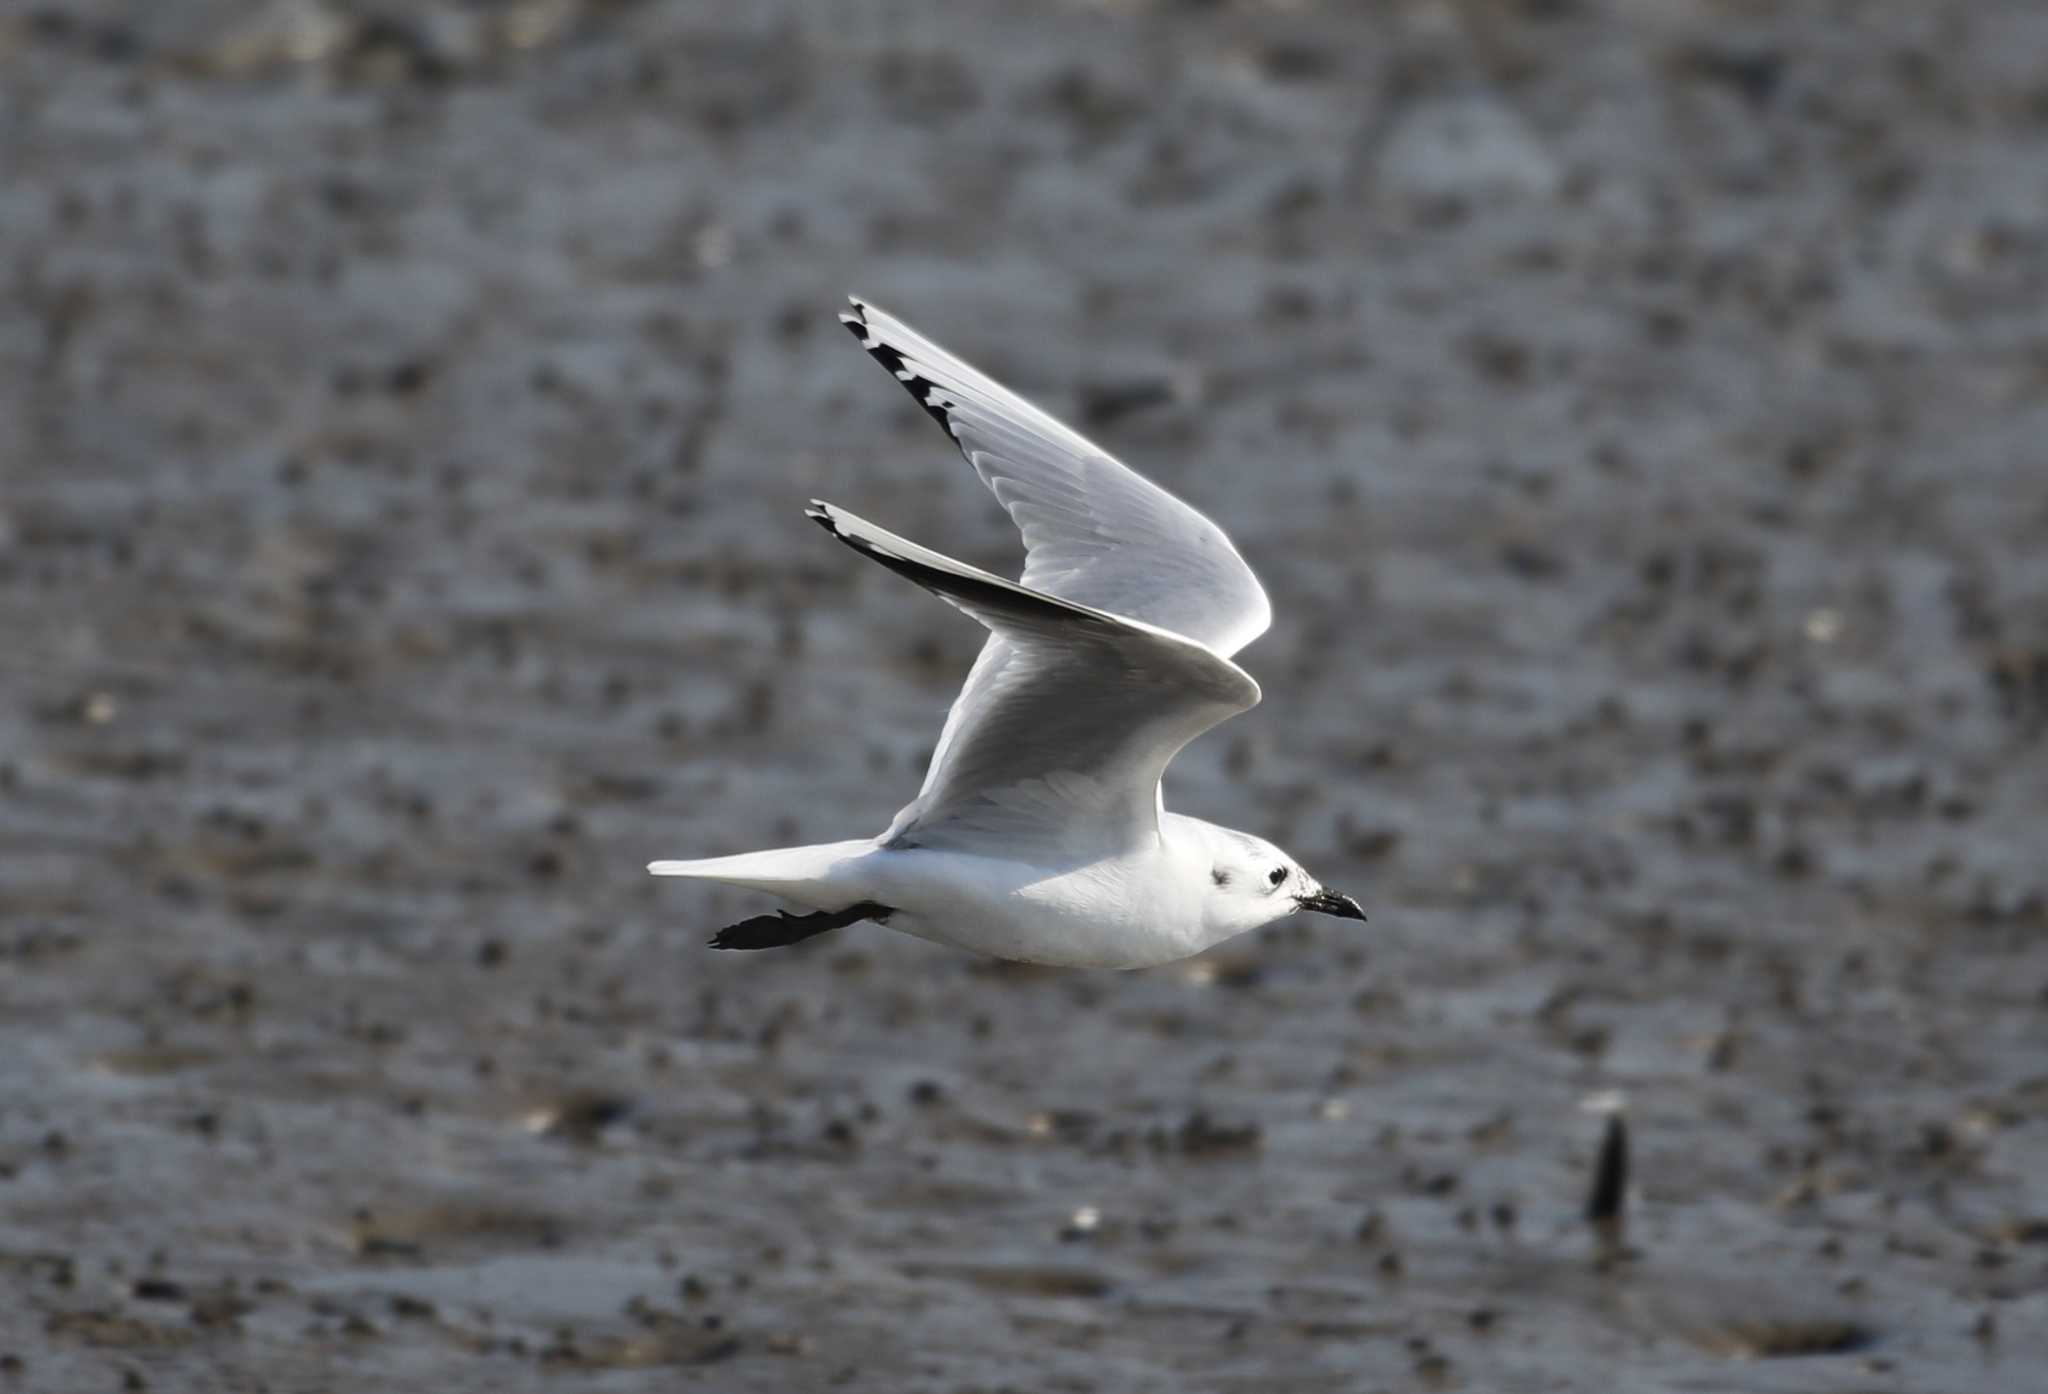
[(782, 928)]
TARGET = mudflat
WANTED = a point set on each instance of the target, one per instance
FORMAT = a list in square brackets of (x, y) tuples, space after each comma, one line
[(1635, 412)]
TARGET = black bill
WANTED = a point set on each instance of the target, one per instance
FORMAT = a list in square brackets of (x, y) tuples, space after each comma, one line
[(1330, 903)]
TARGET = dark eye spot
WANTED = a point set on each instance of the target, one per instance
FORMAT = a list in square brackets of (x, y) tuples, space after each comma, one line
[(1219, 876), (1277, 875)]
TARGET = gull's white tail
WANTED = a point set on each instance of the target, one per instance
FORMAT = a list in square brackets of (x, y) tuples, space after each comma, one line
[(803, 875)]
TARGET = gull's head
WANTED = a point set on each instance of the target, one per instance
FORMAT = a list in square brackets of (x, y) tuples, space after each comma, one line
[(1252, 882)]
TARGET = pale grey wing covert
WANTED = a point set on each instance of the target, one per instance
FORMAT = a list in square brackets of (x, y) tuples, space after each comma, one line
[(1095, 532), (1071, 719)]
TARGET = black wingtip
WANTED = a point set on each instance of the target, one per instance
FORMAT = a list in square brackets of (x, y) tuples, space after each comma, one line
[(921, 389), (826, 517), (875, 549)]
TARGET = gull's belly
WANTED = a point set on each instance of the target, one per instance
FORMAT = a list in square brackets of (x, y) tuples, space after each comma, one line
[(1125, 912)]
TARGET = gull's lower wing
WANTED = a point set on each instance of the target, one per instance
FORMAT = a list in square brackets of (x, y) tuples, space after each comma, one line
[(1070, 716), (1095, 532)]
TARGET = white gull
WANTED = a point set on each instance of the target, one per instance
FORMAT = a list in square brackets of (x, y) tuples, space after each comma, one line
[(1040, 834)]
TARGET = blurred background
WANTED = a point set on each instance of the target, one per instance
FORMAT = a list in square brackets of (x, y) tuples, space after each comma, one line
[(1634, 408)]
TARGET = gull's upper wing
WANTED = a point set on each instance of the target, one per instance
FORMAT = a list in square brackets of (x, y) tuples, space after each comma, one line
[(1068, 721), (1094, 532)]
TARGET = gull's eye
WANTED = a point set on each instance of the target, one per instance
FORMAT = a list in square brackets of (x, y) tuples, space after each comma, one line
[(1276, 875)]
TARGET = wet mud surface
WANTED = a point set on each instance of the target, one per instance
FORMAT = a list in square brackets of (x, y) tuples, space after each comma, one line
[(1635, 411)]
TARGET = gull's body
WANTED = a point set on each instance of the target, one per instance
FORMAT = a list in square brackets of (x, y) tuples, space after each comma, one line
[(1127, 909), (1039, 834)]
